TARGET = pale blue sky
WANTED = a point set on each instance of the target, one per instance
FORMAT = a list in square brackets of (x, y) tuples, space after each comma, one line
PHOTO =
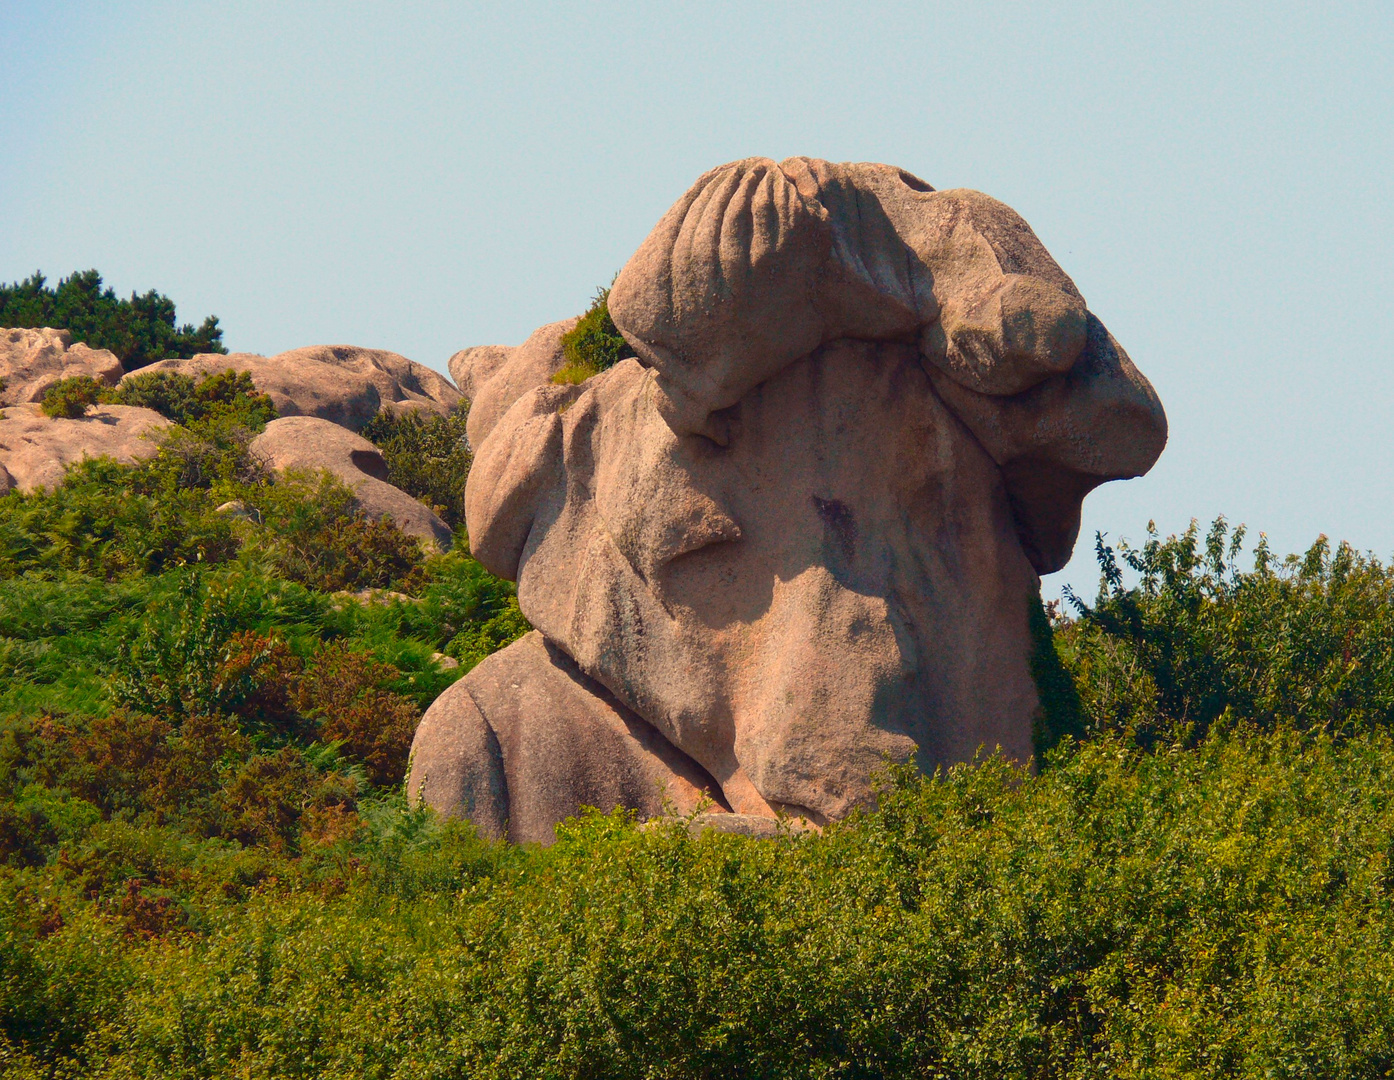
[(421, 177)]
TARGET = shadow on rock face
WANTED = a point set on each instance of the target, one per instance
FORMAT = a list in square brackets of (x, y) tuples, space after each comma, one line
[(800, 535)]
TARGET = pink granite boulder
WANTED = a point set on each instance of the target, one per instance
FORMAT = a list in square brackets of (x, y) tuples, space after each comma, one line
[(309, 444), (801, 535), (553, 742), (343, 384), (33, 360), (36, 450)]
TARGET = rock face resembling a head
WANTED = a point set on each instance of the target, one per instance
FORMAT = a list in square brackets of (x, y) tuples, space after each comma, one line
[(800, 535)]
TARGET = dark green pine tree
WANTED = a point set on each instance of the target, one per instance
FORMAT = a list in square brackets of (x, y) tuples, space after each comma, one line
[(139, 331)]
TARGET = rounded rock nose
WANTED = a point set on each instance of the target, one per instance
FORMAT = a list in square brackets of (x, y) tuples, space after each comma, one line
[(1021, 333), (1043, 328)]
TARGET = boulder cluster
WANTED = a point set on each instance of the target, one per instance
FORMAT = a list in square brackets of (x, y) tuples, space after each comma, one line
[(324, 394)]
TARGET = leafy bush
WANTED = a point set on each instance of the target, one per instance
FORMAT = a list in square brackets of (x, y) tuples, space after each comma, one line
[(341, 691), (1307, 641), (465, 611), (1217, 912), (226, 396), (314, 534), (70, 398), (139, 331), (427, 457), (480, 639), (112, 520), (593, 345)]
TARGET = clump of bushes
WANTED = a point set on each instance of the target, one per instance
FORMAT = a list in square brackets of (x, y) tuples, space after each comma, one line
[(1196, 642), (593, 345), (427, 457), (139, 331), (228, 397), (312, 532), (70, 398), (224, 398), (1216, 912)]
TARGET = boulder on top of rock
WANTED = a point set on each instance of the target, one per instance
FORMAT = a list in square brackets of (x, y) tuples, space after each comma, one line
[(308, 444), (800, 535), (33, 360), (36, 450), (343, 384)]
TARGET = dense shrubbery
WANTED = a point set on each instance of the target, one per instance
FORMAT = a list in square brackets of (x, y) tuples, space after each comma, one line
[(1304, 642), (207, 867), (593, 345), (139, 331), (70, 398), (1218, 912), (223, 397), (427, 457)]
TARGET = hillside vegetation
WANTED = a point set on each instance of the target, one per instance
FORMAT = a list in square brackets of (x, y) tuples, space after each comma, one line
[(209, 679)]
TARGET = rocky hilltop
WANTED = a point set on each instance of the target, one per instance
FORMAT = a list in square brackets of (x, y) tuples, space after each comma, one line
[(790, 530), (323, 395)]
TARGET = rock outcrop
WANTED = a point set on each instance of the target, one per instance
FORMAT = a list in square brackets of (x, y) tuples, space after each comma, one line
[(493, 377), (308, 444), (526, 739), (33, 360), (36, 450), (801, 534), (339, 383)]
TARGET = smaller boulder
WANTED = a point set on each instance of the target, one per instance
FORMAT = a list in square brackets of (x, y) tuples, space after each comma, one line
[(36, 450), (33, 360), (752, 825), (493, 377), (309, 443), (343, 384)]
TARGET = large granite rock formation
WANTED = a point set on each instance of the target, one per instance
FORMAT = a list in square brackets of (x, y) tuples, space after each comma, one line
[(36, 450), (340, 383), (33, 360), (801, 534), (308, 444)]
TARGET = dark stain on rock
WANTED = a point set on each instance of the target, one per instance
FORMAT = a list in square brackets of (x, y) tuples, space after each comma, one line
[(840, 527)]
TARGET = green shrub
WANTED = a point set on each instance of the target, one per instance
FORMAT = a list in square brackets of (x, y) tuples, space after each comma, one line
[(314, 534), (1307, 641), (1060, 715), (464, 604), (593, 345), (342, 692), (139, 331), (112, 520), (177, 665), (229, 397), (70, 398), (1215, 912), (427, 457), (482, 638)]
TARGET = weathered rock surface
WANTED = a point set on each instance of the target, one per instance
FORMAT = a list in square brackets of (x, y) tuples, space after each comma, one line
[(308, 444), (340, 383), (36, 450), (33, 360), (525, 740), (801, 534), (493, 377)]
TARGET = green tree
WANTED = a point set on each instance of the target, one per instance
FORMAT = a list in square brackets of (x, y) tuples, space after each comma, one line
[(139, 331)]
